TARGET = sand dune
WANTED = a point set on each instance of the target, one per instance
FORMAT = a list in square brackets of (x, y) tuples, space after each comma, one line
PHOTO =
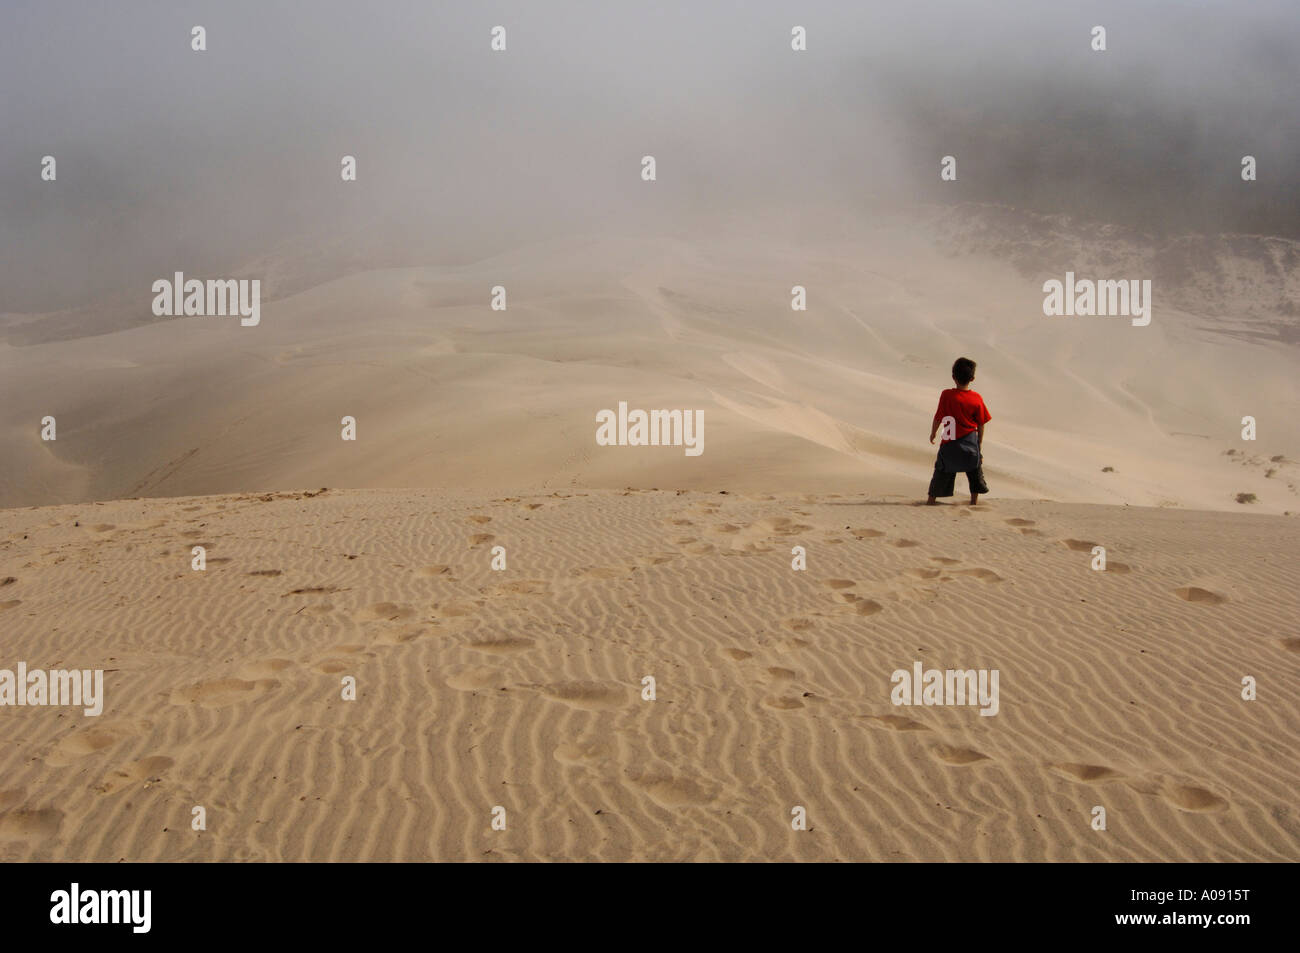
[(521, 688), (449, 393)]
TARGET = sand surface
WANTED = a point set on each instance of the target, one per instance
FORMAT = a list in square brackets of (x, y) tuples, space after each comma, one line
[(521, 688)]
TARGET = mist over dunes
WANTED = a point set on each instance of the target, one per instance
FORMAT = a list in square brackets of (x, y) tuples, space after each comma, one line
[(171, 160), (448, 392)]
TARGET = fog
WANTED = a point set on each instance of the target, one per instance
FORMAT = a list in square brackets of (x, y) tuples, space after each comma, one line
[(170, 159)]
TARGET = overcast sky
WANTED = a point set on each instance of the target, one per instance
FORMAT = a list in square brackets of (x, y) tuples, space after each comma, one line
[(170, 159)]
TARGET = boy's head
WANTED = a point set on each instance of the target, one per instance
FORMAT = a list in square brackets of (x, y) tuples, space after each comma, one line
[(963, 371)]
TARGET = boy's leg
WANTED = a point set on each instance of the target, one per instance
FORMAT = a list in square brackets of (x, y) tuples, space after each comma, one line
[(975, 479), (941, 484)]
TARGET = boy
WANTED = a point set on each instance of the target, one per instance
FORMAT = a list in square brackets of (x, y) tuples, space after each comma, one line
[(960, 449)]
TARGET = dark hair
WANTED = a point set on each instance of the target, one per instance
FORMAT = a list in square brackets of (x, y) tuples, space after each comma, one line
[(963, 370)]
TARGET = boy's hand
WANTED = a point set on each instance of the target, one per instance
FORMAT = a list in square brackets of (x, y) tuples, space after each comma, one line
[(932, 436)]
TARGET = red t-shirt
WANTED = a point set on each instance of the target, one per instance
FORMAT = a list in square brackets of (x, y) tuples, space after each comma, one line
[(966, 407)]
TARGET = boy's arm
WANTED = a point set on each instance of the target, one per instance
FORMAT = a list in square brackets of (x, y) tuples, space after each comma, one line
[(981, 433), (934, 424)]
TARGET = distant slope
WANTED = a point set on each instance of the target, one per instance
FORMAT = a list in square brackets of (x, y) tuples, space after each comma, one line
[(448, 392)]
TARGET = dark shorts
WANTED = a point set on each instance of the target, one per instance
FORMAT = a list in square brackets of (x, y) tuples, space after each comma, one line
[(959, 456)]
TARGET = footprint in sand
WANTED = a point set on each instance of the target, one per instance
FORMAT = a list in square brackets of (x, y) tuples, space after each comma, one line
[(1087, 773), (591, 696), (1120, 568), (782, 702), (839, 583), (10, 603), (476, 679), (266, 572), (384, 612), (861, 606), (944, 560), (1201, 596), (521, 587), (22, 824), (899, 723), (8, 580), (308, 590), (395, 637), (148, 770), (983, 575), (950, 755), (783, 526), (669, 791), (478, 539), (503, 646), (923, 573), (332, 666), (867, 533), (1291, 645), (779, 674), (1195, 800), (905, 543), (480, 519), (264, 668), (701, 549), (1080, 545), (599, 572), (1019, 522), (798, 624), (657, 559), (220, 692), (738, 655), (583, 755), (434, 571), (81, 743), (455, 610)]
